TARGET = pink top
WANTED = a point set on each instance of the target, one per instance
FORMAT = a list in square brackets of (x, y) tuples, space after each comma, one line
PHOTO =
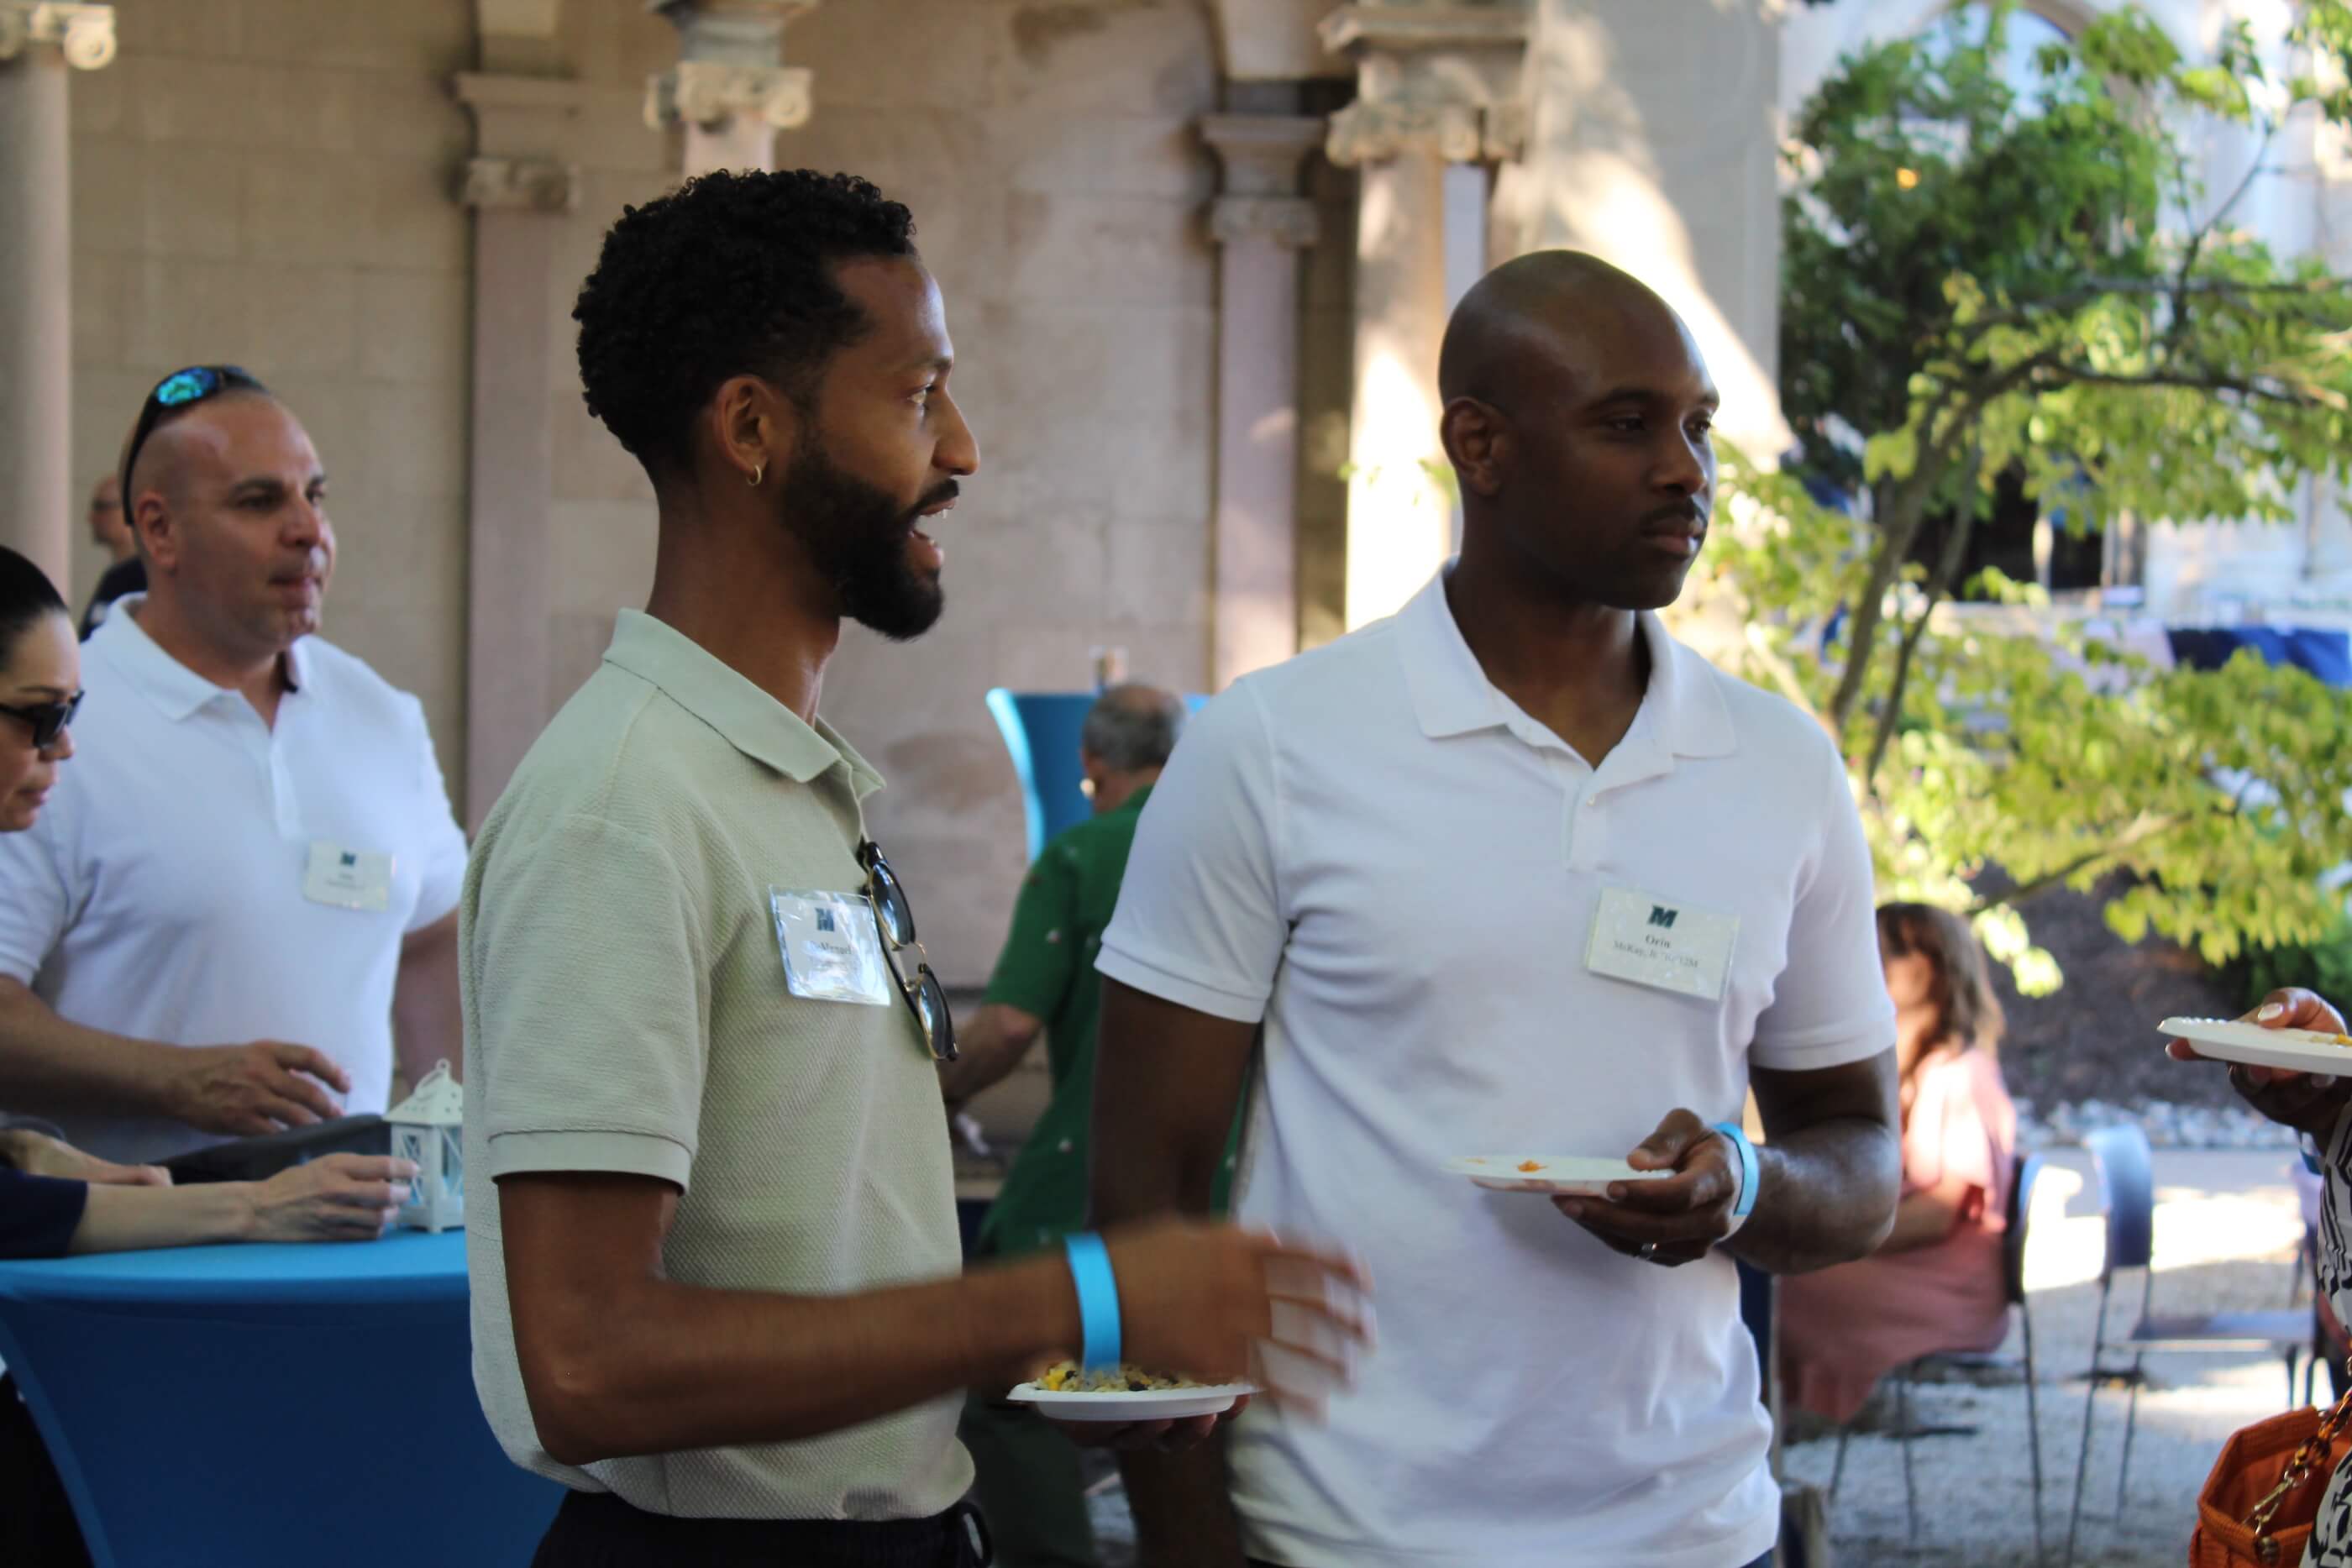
[(1843, 1328), (1961, 1123)]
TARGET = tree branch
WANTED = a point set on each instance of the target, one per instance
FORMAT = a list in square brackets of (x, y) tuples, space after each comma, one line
[(1947, 566), (2131, 838), (2269, 391)]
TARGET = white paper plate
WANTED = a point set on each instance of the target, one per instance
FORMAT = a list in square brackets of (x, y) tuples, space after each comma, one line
[(1150, 1405), (2295, 1050), (1559, 1176)]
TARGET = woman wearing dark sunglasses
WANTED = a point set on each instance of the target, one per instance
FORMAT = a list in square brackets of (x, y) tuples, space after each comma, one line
[(40, 686)]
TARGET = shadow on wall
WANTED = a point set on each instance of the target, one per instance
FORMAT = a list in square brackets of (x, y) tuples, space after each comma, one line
[(1651, 145)]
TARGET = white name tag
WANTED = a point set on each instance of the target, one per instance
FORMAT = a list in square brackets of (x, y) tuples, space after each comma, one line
[(348, 879), (1663, 943), (831, 946)]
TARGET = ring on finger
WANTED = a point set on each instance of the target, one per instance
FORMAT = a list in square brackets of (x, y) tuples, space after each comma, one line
[(1647, 1252)]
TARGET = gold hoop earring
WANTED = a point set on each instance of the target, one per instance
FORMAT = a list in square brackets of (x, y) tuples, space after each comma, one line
[(758, 472)]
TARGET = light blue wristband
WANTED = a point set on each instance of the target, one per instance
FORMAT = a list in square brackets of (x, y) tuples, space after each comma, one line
[(1097, 1297), (1750, 1177)]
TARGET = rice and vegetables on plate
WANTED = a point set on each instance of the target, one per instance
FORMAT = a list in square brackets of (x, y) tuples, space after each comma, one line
[(1069, 1378)]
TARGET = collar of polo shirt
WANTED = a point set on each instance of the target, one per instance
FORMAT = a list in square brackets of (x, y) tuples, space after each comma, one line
[(748, 718), (176, 690), (1452, 695)]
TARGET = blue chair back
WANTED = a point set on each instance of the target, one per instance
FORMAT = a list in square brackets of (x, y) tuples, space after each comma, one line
[(2024, 1171), (1041, 732), (2127, 1189)]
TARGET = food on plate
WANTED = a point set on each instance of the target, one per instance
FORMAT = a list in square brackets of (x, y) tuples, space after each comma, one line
[(1531, 1165), (1069, 1378)]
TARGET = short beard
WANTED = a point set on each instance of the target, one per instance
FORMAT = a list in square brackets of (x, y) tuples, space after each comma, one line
[(856, 537)]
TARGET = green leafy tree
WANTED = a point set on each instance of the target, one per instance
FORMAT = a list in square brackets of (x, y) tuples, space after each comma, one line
[(1982, 281)]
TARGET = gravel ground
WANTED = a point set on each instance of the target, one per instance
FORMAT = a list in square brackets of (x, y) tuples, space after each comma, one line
[(2226, 1227)]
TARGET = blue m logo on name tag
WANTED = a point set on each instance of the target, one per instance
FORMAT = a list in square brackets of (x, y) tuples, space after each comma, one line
[(825, 920), (350, 859), (1661, 917)]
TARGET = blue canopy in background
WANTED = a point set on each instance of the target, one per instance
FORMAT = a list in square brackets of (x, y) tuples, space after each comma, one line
[(1041, 731), (2327, 654)]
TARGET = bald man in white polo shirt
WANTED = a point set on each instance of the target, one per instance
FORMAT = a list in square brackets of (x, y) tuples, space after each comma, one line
[(246, 888), (1512, 872)]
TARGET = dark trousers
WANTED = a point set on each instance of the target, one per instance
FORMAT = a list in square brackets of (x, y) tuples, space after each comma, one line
[(597, 1529), (37, 1522)]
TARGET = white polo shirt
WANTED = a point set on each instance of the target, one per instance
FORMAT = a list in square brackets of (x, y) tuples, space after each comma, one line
[(162, 892), (1398, 870)]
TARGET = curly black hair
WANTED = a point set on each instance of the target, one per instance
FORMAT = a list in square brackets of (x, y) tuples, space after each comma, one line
[(730, 273)]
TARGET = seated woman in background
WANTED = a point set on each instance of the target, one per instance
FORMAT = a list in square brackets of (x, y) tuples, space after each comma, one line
[(56, 1199), (1936, 1285)]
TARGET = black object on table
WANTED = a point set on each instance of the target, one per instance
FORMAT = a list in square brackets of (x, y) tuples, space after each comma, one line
[(258, 1159)]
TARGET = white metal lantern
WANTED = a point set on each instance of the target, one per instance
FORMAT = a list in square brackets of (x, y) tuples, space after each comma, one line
[(428, 1131)]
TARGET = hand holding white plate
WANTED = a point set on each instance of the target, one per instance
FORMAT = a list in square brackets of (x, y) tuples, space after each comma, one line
[(2251, 1045), (1133, 1405), (1555, 1175)]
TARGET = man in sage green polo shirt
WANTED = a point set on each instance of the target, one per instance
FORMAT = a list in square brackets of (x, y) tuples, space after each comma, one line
[(1030, 1485), (716, 1282)]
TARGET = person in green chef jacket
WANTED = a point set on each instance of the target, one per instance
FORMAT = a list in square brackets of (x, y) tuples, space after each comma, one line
[(1030, 1488)]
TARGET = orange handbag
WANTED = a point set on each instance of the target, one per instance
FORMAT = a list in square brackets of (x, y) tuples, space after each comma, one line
[(2262, 1498)]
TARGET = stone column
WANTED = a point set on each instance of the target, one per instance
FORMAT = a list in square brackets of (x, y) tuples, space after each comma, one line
[(38, 44), (520, 191), (729, 88), (1436, 87), (1261, 222)]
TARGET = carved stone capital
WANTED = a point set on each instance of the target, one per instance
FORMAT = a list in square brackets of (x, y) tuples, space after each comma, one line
[(1440, 80), (1457, 132), (1289, 221), (709, 94), (1261, 152), (84, 34), (527, 185), (1352, 29)]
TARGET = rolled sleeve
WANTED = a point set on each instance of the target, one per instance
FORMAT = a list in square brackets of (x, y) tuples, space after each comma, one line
[(1829, 1006), (39, 1215), (1199, 920), (591, 1010), (443, 854), (36, 895), (1042, 952)]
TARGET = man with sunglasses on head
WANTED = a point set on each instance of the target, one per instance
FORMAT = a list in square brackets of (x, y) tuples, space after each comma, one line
[(717, 1279), (240, 903)]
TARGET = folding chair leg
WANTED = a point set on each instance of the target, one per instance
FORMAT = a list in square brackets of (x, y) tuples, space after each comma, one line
[(2033, 1433), (1902, 1436), (1837, 1471), (2090, 1407), (2131, 1424)]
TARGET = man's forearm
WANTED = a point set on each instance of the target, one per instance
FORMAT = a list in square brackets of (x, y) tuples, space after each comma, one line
[(993, 1046), (47, 1064), (1182, 1503), (662, 1366), (1828, 1197), (1183, 1507), (428, 1022)]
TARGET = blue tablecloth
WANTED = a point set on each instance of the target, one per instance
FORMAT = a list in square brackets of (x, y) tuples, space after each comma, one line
[(251, 1407), (2325, 654)]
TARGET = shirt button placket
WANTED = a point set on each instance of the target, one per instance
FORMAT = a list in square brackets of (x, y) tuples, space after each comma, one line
[(1592, 834)]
